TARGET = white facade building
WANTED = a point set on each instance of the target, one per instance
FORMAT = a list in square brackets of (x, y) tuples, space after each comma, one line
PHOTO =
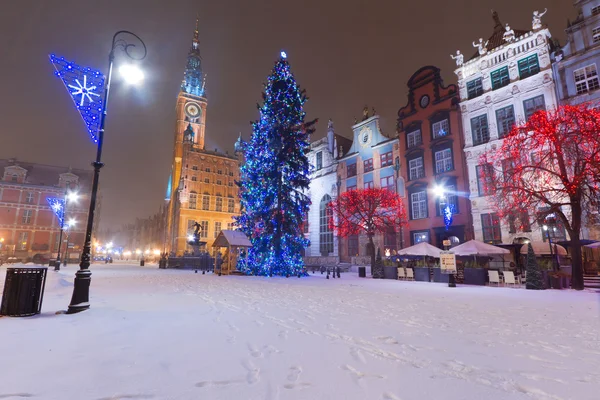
[(508, 79), (323, 157)]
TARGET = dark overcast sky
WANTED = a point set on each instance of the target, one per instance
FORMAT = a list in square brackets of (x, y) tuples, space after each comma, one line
[(345, 53)]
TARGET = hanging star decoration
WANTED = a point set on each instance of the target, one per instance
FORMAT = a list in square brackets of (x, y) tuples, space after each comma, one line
[(85, 86), (448, 215), (58, 207)]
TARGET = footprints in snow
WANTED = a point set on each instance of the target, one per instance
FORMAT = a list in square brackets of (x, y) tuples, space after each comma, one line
[(252, 377), (293, 377), (258, 353)]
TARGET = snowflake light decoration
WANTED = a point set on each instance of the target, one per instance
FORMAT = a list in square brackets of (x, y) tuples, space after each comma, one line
[(448, 215), (58, 206), (85, 86)]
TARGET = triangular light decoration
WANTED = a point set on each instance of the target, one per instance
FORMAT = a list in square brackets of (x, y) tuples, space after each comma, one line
[(58, 206), (85, 86)]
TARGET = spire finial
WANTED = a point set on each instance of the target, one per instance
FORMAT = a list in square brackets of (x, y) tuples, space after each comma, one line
[(196, 30), (497, 24)]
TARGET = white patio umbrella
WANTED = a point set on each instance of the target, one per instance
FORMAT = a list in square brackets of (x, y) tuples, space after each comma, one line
[(423, 249), (477, 248)]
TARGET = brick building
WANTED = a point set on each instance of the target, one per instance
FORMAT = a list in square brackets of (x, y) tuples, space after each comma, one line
[(28, 225), (431, 154)]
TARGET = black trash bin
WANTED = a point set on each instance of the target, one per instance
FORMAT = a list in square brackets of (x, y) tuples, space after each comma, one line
[(142, 262), (362, 272), (23, 291)]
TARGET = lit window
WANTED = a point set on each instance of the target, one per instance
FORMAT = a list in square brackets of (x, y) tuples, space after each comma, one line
[(369, 185), (23, 237), (26, 218), (596, 34), (490, 225), (230, 205), (387, 183), (485, 174), (418, 202), (368, 164), (419, 237), (449, 198), (479, 130), (443, 161), (219, 204), (386, 159), (325, 232), (586, 79), (414, 138), (29, 198), (505, 117), (529, 66), (500, 78), (475, 88), (351, 170), (217, 229), (205, 202), (440, 128), (415, 168), (532, 105), (204, 229), (192, 201)]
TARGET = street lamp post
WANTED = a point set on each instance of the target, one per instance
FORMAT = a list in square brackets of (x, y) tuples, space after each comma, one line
[(81, 288)]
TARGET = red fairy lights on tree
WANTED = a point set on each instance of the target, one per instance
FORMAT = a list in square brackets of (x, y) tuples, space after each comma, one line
[(367, 211), (547, 167)]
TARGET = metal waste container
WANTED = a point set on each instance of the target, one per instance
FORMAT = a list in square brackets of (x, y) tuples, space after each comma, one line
[(362, 272), (23, 291)]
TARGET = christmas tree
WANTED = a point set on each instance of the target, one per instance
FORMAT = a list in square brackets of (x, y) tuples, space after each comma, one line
[(534, 275), (275, 178)]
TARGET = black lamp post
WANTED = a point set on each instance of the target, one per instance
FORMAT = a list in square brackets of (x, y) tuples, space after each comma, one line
[(81, 288)]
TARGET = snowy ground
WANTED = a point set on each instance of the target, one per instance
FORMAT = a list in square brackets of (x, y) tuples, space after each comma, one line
[(162, 335)]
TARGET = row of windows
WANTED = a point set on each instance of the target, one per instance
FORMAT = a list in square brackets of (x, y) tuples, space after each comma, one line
[(193, 203), (384, 183), (528, 66), (443, 162), (207, 180), (505, 119), (385, 159), (519, 221), (207, 169), (438, 129)]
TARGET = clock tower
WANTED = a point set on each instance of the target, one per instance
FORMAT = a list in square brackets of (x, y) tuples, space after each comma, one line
[(201, 189)]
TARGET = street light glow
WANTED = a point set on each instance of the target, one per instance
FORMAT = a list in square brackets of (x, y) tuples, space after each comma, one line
[(72, 222), (72, 197), (439, 190), (190, 238), (131, 74)]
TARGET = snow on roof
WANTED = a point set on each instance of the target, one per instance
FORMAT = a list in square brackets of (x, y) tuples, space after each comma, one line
[(231, 238)]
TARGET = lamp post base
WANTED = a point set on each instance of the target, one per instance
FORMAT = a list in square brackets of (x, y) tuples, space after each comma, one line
[(80, 301), (451, 281)]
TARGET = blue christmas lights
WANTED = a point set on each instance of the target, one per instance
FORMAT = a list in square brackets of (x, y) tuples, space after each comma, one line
[(449, 212), (275, 178), (85, 87), (58, 207)]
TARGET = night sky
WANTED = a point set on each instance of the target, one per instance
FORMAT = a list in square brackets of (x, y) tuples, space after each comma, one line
[(345, 53)]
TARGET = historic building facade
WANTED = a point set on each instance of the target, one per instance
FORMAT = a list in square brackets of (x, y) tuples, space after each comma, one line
[(202, 185), (372, 161), (507, 80), (28, 225), (324, 182), (432, 161), (576, 72)]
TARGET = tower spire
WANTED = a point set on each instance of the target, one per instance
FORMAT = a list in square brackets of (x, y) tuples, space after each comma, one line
[(193, 78)]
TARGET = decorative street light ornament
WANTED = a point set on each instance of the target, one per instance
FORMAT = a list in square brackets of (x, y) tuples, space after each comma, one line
[(448, 215), (85, 87), (58, 207)]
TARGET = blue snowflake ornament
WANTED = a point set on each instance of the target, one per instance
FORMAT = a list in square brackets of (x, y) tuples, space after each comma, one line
[(85, 87)]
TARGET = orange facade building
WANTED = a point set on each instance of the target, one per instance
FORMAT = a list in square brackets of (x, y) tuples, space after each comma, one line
[(28, 226), (432, 161)]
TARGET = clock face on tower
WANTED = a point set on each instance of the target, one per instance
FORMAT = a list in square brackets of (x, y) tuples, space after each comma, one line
[(365, 136), (424, 101), (192, 110)]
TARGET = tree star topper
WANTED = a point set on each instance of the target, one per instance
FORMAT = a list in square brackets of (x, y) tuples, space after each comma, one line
[(85, 86)]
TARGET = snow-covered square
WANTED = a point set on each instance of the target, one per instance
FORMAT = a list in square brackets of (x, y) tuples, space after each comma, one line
[(171, 334)]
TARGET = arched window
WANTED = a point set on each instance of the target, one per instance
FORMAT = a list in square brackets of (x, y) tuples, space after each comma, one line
[(193, 200), (325, 233)]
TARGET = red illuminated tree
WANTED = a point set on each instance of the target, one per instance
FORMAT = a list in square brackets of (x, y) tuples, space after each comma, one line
[(550, 165), (368, 211)]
